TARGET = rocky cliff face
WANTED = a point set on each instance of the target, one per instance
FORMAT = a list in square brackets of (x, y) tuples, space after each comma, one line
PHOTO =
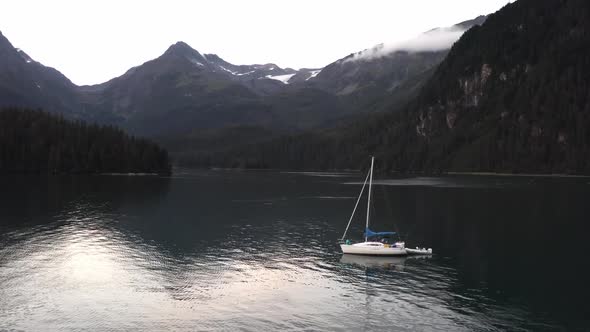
[(510, 95)]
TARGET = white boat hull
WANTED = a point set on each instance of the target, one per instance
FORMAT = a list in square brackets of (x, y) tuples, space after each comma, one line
[(373, 249)]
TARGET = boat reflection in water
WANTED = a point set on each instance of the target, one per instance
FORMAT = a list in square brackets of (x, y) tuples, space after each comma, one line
[(382, 262)]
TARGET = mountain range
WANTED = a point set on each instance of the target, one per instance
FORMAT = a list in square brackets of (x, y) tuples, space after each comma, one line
[(185, 94), (509, 95)]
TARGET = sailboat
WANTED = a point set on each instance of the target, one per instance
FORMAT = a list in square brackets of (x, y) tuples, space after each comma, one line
[(371, 246)]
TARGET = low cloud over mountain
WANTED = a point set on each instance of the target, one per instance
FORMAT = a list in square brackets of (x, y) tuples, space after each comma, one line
[(435, 40)]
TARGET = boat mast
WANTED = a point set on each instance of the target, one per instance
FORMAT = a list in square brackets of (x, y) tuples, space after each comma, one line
[(356, 205), (369, 199)]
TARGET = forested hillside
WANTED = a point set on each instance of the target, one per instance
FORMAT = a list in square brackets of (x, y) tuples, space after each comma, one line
[(513, 95), (33, 141)]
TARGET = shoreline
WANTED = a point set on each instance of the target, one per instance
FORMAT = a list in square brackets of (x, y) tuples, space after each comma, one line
[(130, 174), (541, 175), (413, 174)]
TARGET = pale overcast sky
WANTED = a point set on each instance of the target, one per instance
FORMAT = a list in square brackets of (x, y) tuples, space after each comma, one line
[(93, 41)]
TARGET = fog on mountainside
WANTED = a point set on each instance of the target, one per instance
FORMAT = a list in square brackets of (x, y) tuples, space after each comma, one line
[(435, 40)]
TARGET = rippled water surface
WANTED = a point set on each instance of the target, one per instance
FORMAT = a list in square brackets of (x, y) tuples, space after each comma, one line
[(257, 251)]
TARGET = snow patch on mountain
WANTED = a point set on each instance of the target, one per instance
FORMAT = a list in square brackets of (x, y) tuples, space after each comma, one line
[(246, 73), (283, 78), (24, 55), (313, 74), (229, 71), (196, 62)]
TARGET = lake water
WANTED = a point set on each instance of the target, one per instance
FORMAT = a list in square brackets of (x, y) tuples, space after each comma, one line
[(257, 251)]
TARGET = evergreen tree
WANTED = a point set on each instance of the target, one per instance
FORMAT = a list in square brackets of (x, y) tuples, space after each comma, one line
[(33, 141)]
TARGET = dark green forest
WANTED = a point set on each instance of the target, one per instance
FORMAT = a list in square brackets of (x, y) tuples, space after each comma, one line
[(34, 141), (513, 95)]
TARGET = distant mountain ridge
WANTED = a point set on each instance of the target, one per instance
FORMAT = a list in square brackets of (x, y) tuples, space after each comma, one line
[(185, 95), (384, 70), (25, 82)]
